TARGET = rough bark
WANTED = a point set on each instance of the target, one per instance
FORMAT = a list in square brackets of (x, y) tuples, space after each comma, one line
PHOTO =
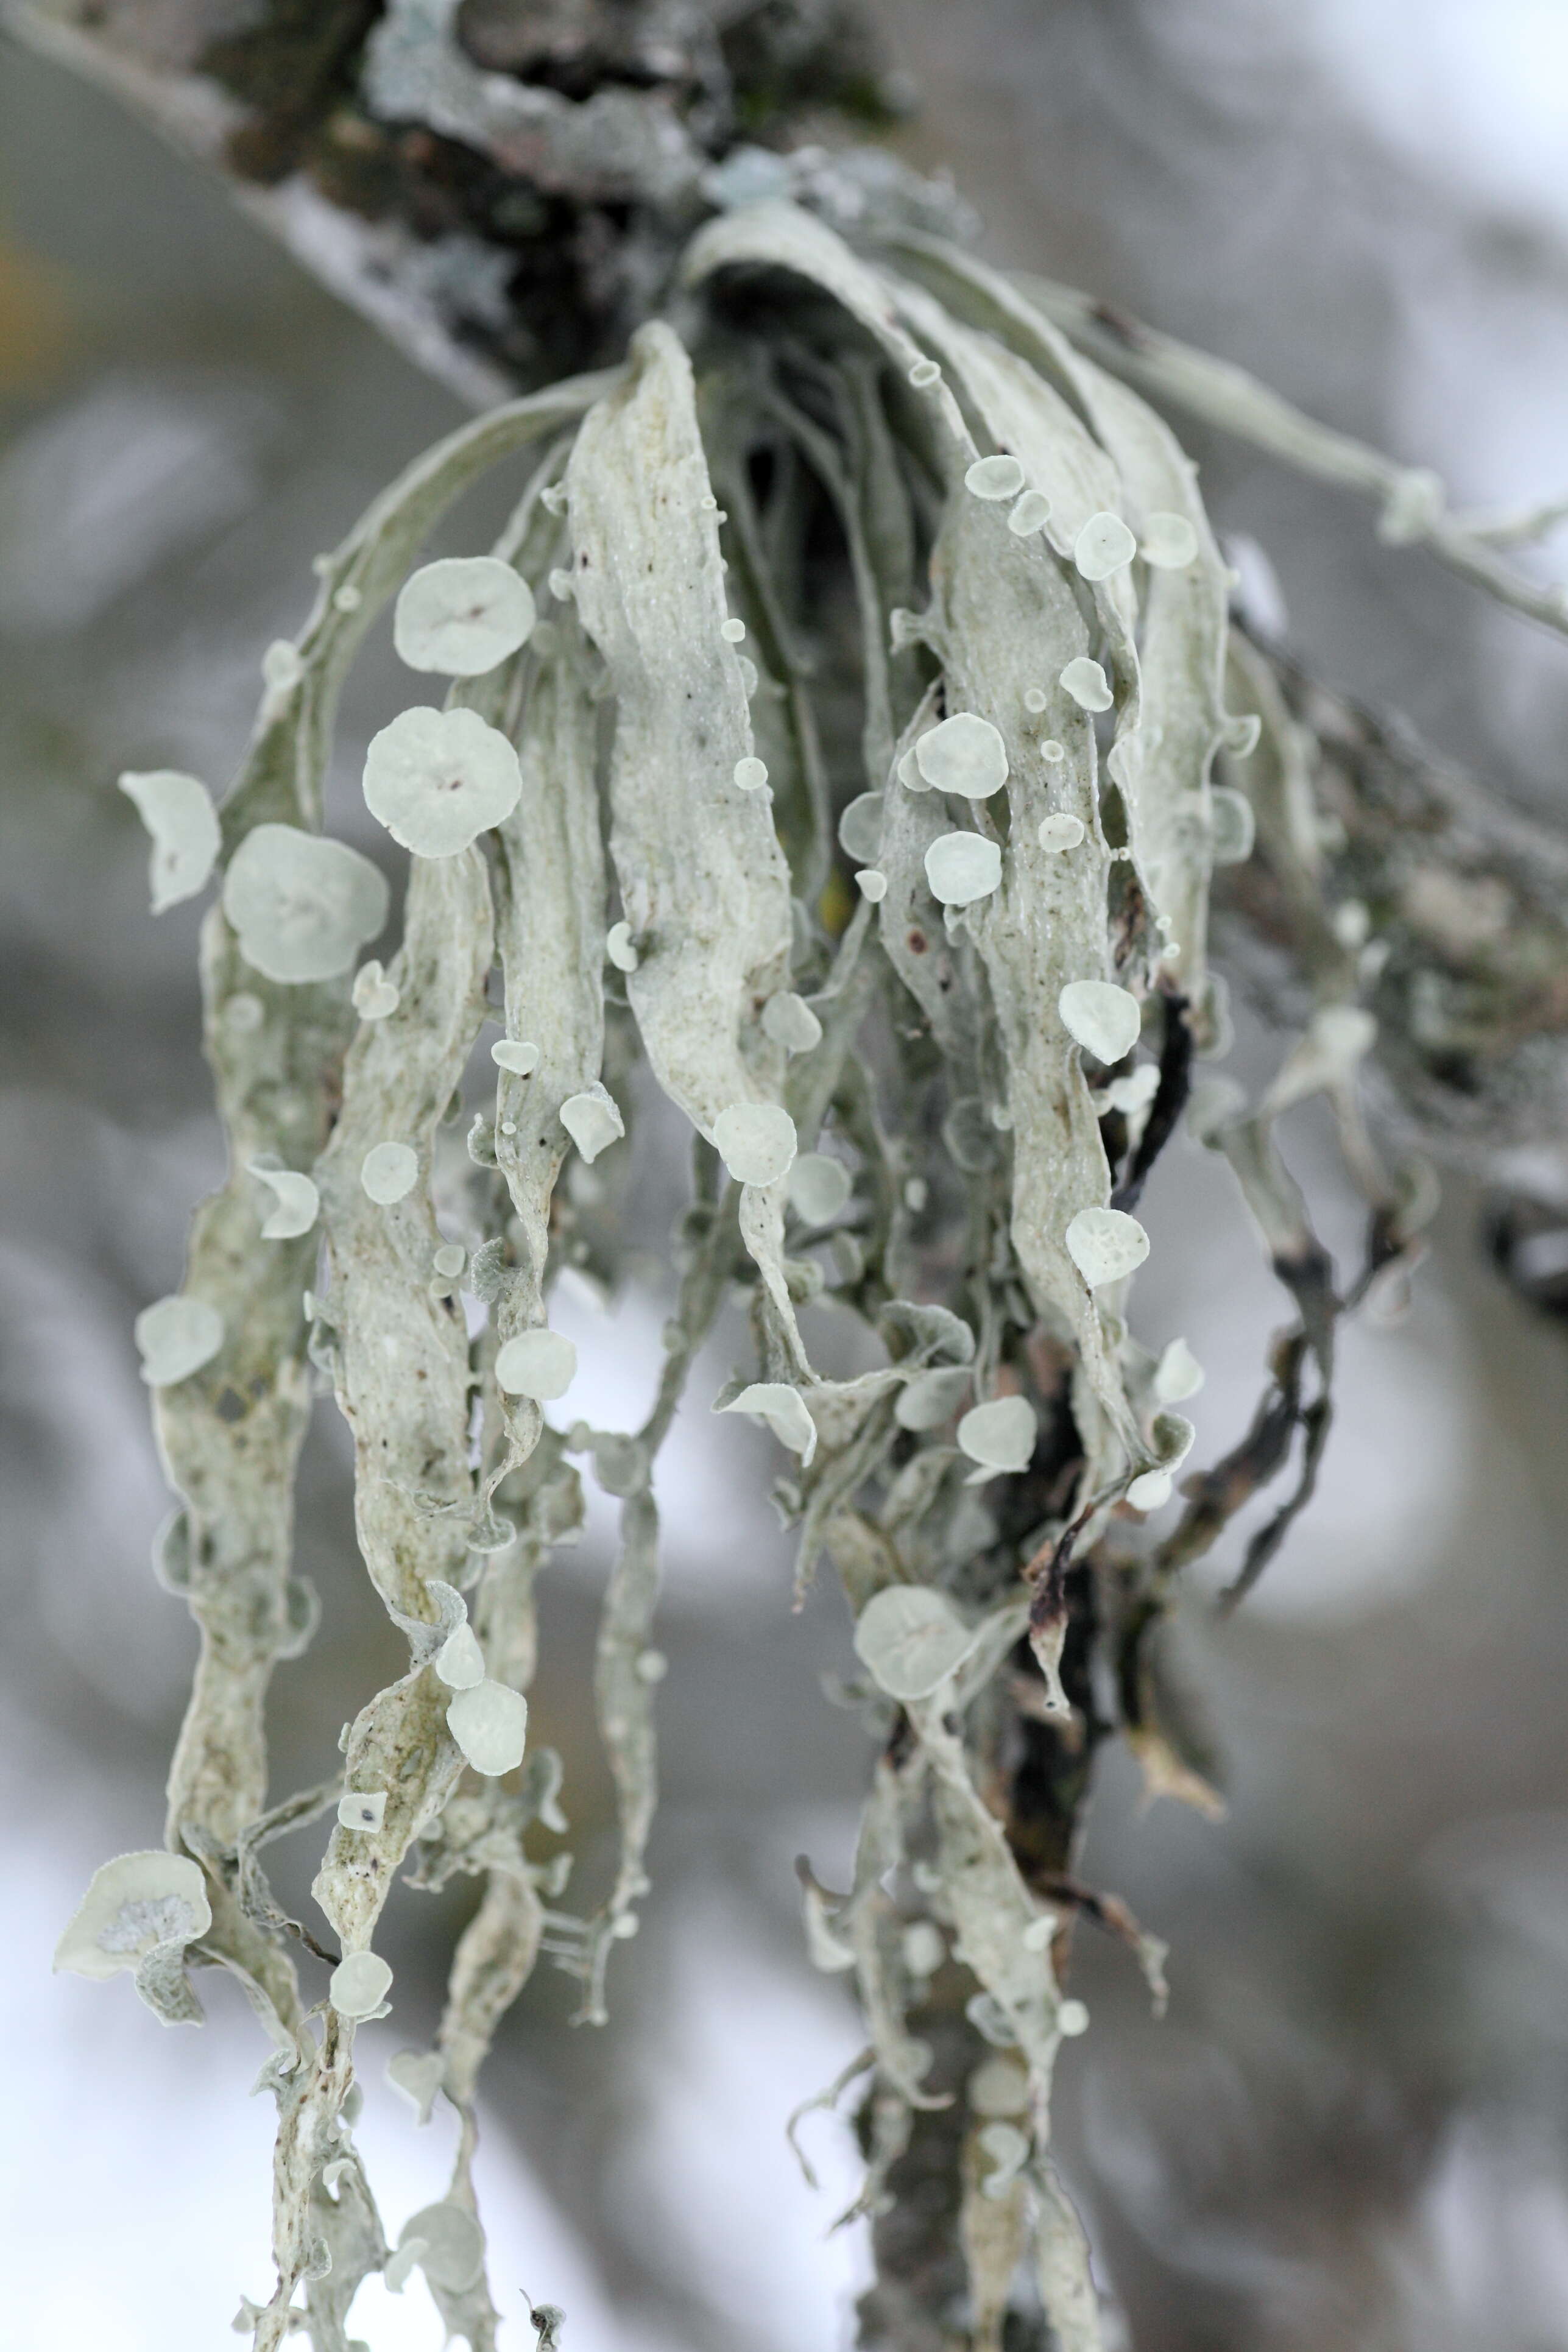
[(503, 188)]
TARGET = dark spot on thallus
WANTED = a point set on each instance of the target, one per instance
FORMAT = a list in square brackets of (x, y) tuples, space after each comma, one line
[(231, 1406), (916, 944)]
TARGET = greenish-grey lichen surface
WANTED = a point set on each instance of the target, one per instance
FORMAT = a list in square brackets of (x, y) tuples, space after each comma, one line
[(854, 750)]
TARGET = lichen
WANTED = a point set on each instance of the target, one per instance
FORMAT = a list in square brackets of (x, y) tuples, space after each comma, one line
[(890, 975)]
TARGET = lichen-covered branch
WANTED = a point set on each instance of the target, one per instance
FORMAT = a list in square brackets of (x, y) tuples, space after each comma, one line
[(504, 190), (847, 730)]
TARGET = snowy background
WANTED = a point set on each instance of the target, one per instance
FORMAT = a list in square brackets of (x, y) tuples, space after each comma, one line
[(1351, 2131)]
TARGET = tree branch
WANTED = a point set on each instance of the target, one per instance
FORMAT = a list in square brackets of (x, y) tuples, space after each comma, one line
[(503, 190)]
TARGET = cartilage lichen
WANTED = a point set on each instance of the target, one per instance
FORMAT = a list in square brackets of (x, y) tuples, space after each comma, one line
[(865, 963)]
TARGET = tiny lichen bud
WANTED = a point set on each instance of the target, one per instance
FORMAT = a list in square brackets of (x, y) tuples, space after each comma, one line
[(389, 1172), (872, 883), (1031, 514), (359, 1984), (999, 1435), (281, 668), (593, 1120), (1008, 2149), (1104, 545), (540, 1364), (437, 779), (995, 477), (1233, 828), (733, 630), (750, 774), (460, 1660), (373, 995), (1061, 832), (1105, 1245), (515, 1055), (1087, 683), (1104, 1019), (1178, 1375), (860, 828), (175, 1337), (962, 867), (362, 1809), (932, 1397), (489, 1724), (619, 948), (417, 2076), (301, 906), (298, 1199), (911, 1638), (783, 1409), (1170, 543), (462, 616), (818, 1187), (790, 1022), (923, 1948), (963, 754), (756, 1141), (177, 810)]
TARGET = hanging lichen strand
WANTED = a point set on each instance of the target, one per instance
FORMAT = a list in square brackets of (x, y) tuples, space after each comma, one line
[(894, 954)]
